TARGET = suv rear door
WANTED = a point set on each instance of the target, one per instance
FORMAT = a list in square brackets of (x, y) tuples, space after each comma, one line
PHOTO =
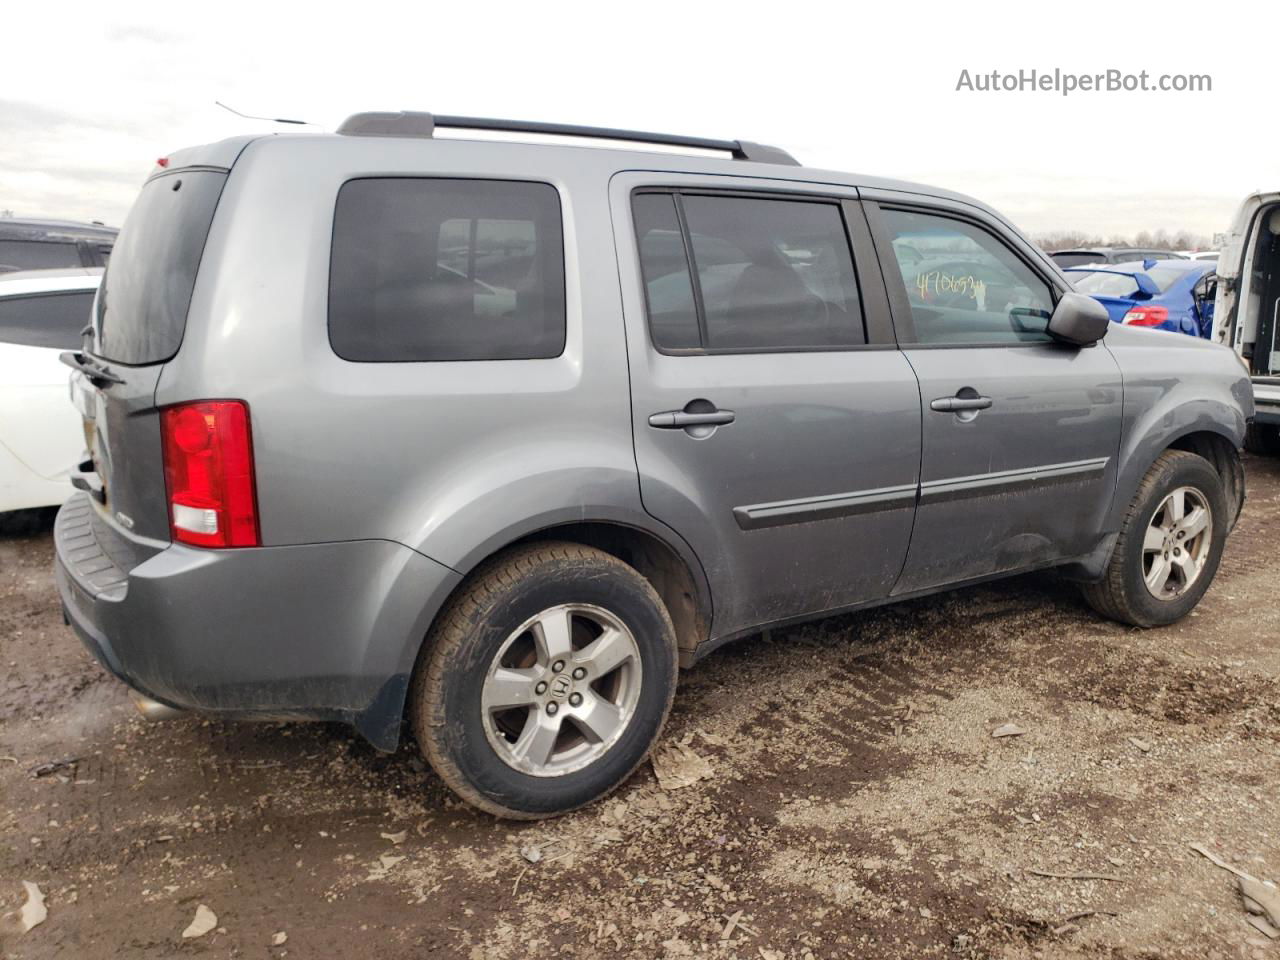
[(777, 429), (139, 322), (1020, 434)]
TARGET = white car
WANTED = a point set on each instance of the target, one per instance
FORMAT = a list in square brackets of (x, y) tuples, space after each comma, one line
[(41, 437), (1246, 316)]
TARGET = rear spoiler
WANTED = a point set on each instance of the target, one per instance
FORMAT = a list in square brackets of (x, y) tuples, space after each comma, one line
[(1146, 286)]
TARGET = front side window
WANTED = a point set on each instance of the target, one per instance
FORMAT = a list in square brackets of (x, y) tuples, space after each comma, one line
[(53, 320), (772, 274), (435, 269), (967, 287)]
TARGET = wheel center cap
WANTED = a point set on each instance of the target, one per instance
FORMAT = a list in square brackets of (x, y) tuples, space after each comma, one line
[(560, 687)]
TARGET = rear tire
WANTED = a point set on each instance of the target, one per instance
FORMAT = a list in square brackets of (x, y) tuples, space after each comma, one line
[(1163, 561), (545, 681), (1263, 439)]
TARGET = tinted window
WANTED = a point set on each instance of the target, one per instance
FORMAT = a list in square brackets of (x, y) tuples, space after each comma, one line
[(37, 255), (969, 287), (773, 274), (142, 312), (432, 269), (45, 320), (1065, 260), (673, 318)]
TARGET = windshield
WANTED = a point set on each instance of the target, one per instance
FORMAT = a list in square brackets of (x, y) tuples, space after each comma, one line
[(142, 307)]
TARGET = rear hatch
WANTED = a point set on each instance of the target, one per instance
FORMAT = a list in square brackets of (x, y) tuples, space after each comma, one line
[(139, 321)]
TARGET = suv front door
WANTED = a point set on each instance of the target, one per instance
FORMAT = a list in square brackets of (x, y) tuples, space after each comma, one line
[(777, 429), (1020, 433)]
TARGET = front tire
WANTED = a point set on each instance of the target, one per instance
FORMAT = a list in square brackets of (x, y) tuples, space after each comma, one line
[(1169, 546), (545, 682)]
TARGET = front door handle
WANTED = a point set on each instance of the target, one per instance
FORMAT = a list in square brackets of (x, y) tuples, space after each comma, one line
[(679, 419), (959, 404)]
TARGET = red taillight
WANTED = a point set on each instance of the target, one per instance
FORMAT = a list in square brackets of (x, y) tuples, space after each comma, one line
[(1146, 316), (208, 472)]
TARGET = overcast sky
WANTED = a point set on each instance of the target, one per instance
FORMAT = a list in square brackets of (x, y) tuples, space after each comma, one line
[(90, 95)]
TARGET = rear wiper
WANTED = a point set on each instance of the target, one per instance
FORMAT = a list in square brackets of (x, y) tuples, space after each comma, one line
[(98, 375)]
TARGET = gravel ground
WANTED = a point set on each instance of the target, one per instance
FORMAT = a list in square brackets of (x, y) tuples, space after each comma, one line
[(857, 804)]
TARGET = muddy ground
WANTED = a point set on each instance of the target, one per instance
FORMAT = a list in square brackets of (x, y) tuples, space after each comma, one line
[(858, 805)]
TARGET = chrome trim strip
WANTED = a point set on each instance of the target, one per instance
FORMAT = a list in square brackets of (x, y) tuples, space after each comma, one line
[(826, 507), (834, 505), (986, 484)]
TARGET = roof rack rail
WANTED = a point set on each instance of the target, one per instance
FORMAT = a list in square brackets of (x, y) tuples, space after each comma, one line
[(408, 123)]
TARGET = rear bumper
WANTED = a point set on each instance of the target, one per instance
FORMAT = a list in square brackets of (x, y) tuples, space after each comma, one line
[(319, 631)]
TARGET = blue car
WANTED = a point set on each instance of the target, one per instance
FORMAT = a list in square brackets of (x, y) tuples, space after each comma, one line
[(1174, 295)]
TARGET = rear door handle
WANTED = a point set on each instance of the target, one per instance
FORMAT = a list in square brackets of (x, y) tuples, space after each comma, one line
[(958, 404), (679, 419)]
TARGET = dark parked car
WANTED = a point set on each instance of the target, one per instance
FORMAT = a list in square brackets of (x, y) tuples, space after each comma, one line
[(48, 244), (1077, 258), (487, 438)]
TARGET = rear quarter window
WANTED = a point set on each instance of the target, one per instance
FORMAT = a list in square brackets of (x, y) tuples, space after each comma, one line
[(433, 269), (52, 320)]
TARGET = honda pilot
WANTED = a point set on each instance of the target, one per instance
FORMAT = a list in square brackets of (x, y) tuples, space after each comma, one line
[(484, 440)]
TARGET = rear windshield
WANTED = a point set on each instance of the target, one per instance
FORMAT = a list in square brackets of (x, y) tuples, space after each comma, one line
[(1105, 284), (142, 310)]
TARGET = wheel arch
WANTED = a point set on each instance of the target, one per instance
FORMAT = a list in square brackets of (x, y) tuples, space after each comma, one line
[(676, 575), (661, 557), (1224, 456), (1207, 427)]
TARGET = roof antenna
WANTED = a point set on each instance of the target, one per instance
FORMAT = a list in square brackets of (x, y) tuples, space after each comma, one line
[(305, 123)]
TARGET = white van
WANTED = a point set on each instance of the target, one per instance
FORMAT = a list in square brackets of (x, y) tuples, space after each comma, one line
[(1247, 311)]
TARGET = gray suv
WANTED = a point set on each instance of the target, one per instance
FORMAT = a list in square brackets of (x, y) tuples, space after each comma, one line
[(486, 439)]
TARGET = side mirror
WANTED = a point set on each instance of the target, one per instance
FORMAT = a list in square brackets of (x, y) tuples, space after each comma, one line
[(1079, 320)]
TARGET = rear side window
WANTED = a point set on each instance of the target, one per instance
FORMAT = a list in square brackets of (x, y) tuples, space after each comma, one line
[(673, 314), (142, 312), (45, 320), (771, 274), (445, 269), (37, 255)]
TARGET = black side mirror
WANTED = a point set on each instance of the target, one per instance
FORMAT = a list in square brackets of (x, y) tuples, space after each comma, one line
[(1079, 320)]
